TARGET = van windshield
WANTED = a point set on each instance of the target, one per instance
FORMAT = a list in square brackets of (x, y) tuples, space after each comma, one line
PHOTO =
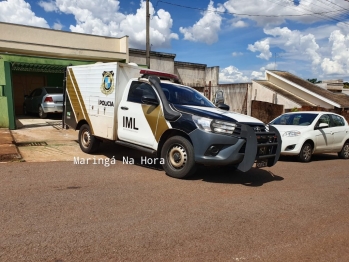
[(183, 95)]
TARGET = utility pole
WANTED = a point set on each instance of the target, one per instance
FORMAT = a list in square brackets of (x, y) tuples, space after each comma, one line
[(147, 35)]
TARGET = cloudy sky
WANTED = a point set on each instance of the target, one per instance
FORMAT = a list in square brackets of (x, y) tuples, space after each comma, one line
[(309, 38)]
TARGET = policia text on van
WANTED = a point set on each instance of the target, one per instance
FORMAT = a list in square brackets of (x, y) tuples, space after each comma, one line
[(147, 110)]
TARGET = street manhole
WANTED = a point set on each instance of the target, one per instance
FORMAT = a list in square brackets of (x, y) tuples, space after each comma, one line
[(31, 144)]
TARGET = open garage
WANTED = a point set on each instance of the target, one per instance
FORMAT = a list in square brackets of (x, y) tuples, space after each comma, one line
[(35, 57), (26, 77)]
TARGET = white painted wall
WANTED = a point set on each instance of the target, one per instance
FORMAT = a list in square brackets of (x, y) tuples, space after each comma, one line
[(55, 43), (261, 93), (158, 63)]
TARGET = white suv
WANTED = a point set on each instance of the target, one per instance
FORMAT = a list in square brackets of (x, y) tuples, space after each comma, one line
[(312, 132)]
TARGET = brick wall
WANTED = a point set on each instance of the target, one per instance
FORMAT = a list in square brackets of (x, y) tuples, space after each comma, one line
[(265, 111)]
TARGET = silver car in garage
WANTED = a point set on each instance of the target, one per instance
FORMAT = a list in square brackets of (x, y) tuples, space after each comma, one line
[(44, 100)]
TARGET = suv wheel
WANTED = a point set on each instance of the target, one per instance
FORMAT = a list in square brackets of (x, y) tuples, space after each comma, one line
[(178, 155)]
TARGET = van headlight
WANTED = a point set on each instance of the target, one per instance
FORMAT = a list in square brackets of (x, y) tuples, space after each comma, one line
[(216, 126)]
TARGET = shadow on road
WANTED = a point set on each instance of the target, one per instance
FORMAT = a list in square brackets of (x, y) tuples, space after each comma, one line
[(228, 175), (319, 157)]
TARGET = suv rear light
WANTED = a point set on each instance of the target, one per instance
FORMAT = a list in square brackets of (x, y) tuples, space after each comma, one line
[(48, 99)]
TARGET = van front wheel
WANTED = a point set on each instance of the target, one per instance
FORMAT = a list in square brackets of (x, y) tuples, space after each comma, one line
[(179, 158), (88, 143)]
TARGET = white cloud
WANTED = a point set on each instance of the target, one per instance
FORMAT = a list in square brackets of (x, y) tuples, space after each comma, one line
[(103, 17), (331, 67), (295, 42), (270, 66), (262, 47), (257, 75), (57, 26), (273, 13), (295, 45), (339, 61), (331, 60), (48, 6), (240, 24), (237, 54), (207, 28), (231, 74), (19, 12)]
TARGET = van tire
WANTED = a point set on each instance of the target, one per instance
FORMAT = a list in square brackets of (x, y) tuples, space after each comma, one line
[(179, 157), (88, 143)]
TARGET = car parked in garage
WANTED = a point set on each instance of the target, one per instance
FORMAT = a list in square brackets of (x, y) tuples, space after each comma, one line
[(44, 100), (312, 132)]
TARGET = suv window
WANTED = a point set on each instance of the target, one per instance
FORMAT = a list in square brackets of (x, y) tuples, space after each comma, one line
[(139, 89), (337, 120)]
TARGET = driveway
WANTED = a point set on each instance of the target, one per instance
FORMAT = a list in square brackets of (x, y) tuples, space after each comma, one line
[(44, 140)]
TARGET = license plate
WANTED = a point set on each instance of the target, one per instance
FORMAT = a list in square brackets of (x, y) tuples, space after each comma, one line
[(261, 163)]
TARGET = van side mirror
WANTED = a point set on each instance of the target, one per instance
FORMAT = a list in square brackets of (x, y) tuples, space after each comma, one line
[(223, 107), (149, 100)]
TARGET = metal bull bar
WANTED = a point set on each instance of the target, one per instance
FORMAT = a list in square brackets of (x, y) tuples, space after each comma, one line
[(260, 145)]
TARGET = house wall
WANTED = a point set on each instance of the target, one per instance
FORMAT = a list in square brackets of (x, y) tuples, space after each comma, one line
[(158, 61), (212, 75), (261, 93), (309, 97), (193, 75), (29, 40), (235, 96), (345, 91)]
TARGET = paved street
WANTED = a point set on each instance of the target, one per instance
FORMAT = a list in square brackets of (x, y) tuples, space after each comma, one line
[(61, 211)]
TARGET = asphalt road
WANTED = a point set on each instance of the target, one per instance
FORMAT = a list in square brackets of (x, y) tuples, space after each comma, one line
[(61, 211)]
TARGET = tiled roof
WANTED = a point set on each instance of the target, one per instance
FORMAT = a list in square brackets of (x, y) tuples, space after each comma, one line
[(284, 93), (339, 98)]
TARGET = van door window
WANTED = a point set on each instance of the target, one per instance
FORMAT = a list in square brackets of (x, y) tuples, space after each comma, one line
[(139, 89)]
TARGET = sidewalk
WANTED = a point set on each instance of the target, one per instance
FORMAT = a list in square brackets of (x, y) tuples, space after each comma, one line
[(8, 149)]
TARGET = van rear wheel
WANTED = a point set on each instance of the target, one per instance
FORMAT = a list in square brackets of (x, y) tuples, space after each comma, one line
[(88, 143), (179, 158)]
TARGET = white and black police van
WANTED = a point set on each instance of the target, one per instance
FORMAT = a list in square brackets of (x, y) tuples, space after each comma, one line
[(150, 111)]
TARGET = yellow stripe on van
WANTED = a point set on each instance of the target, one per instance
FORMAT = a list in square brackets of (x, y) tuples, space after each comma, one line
[(76, 100), (155, 119)]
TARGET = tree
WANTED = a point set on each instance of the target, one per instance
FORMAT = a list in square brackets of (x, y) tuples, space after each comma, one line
[(314, 80)]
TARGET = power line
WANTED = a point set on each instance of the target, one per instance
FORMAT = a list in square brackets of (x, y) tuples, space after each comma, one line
[(325, 6), (322, 15), (230, 13)]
